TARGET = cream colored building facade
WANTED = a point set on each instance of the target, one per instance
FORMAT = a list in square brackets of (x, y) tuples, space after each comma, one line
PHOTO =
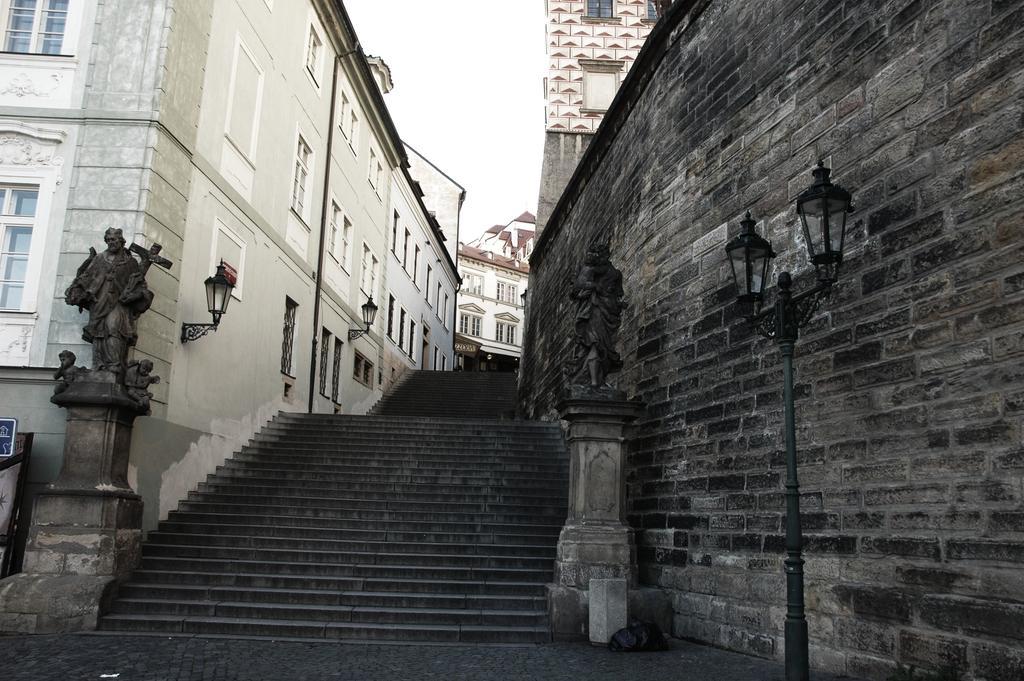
[(205, 126)]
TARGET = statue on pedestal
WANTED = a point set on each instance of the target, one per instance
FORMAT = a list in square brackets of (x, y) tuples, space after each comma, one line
[(598, 294)]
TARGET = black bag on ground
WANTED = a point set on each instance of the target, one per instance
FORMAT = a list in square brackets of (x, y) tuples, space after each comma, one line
[(638, 637)]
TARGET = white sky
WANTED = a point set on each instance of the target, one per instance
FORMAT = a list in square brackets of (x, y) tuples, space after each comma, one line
[(469, 94)]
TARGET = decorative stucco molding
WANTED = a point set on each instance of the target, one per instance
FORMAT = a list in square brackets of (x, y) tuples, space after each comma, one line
[(22, 85)]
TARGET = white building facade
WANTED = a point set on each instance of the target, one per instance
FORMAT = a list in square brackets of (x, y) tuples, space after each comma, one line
[(495, 276), (248, 131)]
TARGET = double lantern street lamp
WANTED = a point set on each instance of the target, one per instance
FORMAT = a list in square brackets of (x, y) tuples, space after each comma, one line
[(218, 295), (822, 208)]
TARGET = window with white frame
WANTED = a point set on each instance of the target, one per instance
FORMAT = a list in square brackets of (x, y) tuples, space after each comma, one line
[(362, 370), (426, 285), (652, 10), (300, 183), (473, 283), (444, 310), (416, 266), (36, 26), (291, 308), (470, 324), (374, 171), (505, 333), (405, 251), (412, 340), (314, 54), (394, 233), (348, 121), (335, 228), (437, 298), (368, 277), (17, 220), (340, 239), (401, 328), (507, 292)]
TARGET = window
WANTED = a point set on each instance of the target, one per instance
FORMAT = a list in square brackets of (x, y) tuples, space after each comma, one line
[(505, 333), (18, 208), (600, 8), (652, 9), (244, 102), (474, 284), (336, 373), (314, 54), (412, 340), (434, 365), (348, 121), (332, 239), (444, 310), (469, 325), (600, 82), (416, 266), (394, 234), (325, 346), (288, 342), (426, 286), (362, 370), (437, 299), (507, 292), (376, 170), (391, 317), (36, 26), (346, 243), (405, 252), (303, 156), (370, 265), (401, 328), (444, 362)]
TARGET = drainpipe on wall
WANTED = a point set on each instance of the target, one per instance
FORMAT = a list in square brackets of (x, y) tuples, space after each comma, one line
[(323, 233)]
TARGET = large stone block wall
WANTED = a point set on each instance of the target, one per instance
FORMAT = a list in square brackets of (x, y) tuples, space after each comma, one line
[(910, 381)]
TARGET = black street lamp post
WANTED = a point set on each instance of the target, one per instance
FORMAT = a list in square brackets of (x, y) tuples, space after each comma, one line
[(822, 208)]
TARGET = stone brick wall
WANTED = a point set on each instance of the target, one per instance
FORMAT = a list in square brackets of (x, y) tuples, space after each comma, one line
[(910, 382)]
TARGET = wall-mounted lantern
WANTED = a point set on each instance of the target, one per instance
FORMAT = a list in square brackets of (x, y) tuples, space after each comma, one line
[(369, 309), (218, 295)]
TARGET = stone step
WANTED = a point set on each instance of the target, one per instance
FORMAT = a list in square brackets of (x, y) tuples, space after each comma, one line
[(325, 510), (251, 470), (273, 496), (545, 551), (291, 555), (402, 423), (372, 493), (329, 613), (400, 526), (391, 599), (335, 583), (355, 631), (403, 464), (393, 473), (393, 535), (345, 570)]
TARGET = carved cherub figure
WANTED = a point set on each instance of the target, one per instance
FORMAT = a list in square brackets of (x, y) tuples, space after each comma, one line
[(67, 372), (137, 380)]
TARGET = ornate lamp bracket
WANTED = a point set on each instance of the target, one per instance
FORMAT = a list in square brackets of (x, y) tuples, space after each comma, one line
[(783, 320), (191, 332)]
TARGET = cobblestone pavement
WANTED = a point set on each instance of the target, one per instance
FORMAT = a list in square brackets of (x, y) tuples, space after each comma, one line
[(127, 658)]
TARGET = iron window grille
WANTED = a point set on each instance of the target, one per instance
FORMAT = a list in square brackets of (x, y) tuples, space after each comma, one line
[(336, 375), (287, 343), (325, 346)]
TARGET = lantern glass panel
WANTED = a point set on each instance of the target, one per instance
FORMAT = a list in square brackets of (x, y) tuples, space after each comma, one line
[(369, 313), (222, 295), (837, 224), (812, 213)]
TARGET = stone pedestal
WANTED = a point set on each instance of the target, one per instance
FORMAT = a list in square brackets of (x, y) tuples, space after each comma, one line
[(86, 528), (595, 543)]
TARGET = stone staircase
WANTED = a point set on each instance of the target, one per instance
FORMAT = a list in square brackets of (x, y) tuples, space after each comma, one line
[(386, 527), (490, 395)]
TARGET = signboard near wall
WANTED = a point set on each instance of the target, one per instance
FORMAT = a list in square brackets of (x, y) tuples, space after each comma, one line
[(13, 473)]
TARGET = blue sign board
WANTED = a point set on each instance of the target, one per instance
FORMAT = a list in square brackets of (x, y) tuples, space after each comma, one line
[(8, 433)]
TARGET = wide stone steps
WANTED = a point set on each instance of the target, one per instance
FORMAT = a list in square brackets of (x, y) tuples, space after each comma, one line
[(399, 527)]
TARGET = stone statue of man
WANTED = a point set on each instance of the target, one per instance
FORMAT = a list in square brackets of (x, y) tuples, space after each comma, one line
[(597, 293), (111, 285)]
